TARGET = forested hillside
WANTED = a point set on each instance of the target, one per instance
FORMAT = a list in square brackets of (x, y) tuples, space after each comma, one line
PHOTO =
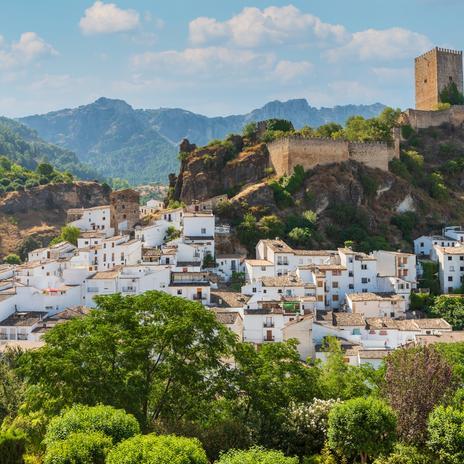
[(23, 146)]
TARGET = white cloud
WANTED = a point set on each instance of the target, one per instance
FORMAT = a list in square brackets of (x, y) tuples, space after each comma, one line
[(30, 47), (288, 71), (106, 18), (253, 27), (388, 44), (208, 61)]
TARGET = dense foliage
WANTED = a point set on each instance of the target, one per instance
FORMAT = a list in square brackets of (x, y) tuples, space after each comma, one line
[(23, 147), (156, 379)]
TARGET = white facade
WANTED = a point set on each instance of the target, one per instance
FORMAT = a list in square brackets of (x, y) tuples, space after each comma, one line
[(93, 219), (450, 267)]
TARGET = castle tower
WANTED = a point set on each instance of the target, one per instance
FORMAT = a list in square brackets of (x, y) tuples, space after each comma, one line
[(435, 70)]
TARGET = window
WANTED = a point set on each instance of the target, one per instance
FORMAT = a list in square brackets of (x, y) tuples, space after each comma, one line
[(203, 231), (351, 286), (320, 283), (461, 258), (335, 298), (449, 258), (263, 268), (279, 290), (392, 314), (364, 290), (422, 244), (450, 278), (364, 280), (451, 268), (350, 274), (319, 298), (179, 292), (364, 267), (253, 289), (334, 284)]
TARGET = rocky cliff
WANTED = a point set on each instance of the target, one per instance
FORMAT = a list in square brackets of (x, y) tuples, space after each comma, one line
[(39, 213), (219, 168), (422, 192)]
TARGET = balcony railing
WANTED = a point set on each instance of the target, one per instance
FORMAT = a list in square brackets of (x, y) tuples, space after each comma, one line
[(268, 324), (199, 297), (269, 339)]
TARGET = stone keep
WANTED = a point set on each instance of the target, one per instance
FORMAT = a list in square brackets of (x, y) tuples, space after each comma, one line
[(434, 71)]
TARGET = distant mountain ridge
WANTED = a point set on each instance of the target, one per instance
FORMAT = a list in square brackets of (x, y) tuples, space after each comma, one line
[(140, 145)]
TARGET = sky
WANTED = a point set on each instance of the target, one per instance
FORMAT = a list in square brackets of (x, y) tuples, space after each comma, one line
[(217, 57)]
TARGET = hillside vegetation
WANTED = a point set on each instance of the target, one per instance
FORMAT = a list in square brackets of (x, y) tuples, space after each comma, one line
[(329, 205), (24, 147)]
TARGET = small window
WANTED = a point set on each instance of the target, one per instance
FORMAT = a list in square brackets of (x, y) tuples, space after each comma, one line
[(364, 267), (334, 284), (449, 258), (203, 231), (253, 289), (335, 298), (179, 292), (450, 278), (351, 286)]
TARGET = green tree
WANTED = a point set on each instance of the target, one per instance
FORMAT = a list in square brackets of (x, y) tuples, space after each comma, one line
[(416, 380), (172, 233), (361, 427), (114, 423), (154, 355), (79, 448), (152, 449), (328, 130), (450, 308), (338, 379), (256, 455), (404, 454), (11, 385), (45, 169), (12, 447), (271, 227), (68, 234), (268, 382), (12, 259), (446, 434), (451, 94)]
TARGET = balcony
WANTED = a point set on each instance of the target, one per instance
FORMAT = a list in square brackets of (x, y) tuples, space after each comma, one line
[(199, 297), (128, 289), (268, 324), (267, 338)]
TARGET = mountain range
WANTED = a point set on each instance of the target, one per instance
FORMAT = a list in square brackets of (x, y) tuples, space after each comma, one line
[(140, 145)]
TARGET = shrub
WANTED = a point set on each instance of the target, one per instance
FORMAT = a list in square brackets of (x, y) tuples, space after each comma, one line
[(115, 423), (404, 454), (437, 187), (153, 449), (255, 455), (282, 198), (12, 447), (79, 448), (12, 259), (451, 94), (398, 168), (406, 223), (406, 131)]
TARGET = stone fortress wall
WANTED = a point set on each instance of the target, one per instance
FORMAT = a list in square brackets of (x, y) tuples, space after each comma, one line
[(288, 152)]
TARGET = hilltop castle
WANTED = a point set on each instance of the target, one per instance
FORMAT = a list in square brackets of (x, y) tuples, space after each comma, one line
[(434, 71)]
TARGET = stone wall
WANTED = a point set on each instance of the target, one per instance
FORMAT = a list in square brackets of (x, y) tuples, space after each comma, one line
[(289, 152), (435, 70), (125, 206), (418, 119)]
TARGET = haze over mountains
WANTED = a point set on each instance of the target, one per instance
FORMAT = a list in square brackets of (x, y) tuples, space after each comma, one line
[(140, 145)]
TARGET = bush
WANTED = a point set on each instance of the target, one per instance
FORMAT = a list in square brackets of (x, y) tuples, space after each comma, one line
[(406, 223), (451, 94), (153, 449), (12, 259), (114, 423), (255, 455), (12, 447), (79, 448), (404, 454), (406, 131)]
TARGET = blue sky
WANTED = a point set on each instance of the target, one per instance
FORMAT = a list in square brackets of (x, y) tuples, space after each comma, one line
[(216, 57)]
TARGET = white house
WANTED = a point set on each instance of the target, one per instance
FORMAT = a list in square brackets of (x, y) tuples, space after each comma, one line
[(97, 218), (450, 267), (370, 304)]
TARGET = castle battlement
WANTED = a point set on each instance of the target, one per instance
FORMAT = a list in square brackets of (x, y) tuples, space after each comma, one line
[(288, 152)]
